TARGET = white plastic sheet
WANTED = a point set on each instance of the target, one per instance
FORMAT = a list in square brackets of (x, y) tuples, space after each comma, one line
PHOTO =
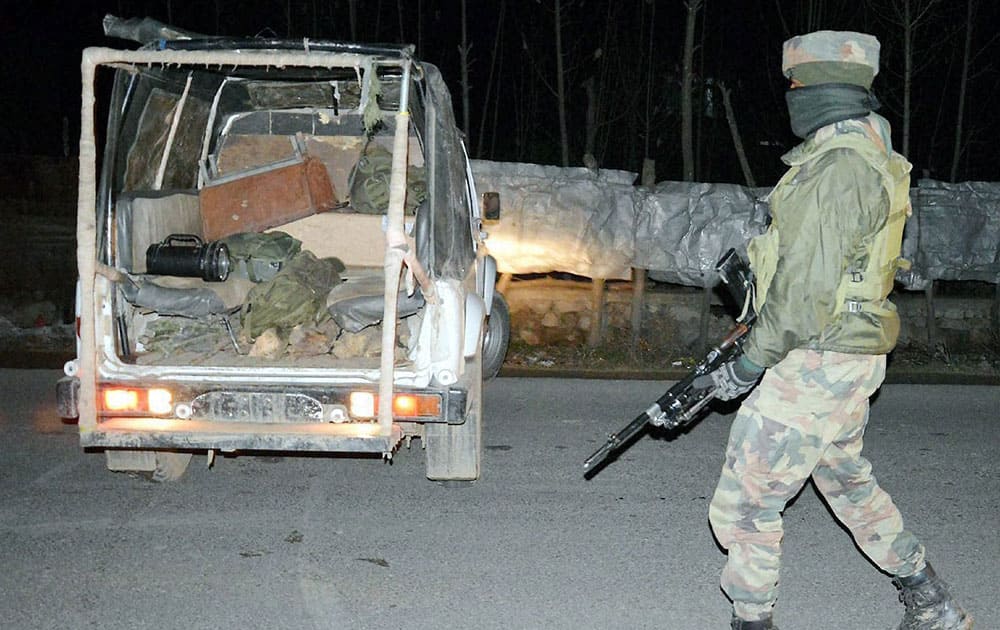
[(683, 228), (598, 224), (572, 220), (953, 233)]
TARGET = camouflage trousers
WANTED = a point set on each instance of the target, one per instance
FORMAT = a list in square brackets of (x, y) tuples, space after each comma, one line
[(806, 419)]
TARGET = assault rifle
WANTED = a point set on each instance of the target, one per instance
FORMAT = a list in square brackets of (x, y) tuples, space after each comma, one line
[(683, 402)]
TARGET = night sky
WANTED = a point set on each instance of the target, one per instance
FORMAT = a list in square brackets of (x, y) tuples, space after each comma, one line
[(637, 77)]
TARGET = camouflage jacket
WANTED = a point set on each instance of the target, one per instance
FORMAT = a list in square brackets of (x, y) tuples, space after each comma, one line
[(827, 209)]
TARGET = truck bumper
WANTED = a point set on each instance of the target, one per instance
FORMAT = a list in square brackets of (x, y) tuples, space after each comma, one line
[(153, 433)]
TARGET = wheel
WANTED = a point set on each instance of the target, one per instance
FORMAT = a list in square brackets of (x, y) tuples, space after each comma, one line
[(454, 451), (160, 466), (497, 337)]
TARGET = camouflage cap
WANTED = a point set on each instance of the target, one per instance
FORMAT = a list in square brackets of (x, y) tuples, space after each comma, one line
[(826, 51)]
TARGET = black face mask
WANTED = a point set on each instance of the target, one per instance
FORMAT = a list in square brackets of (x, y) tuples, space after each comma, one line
[(813, 106)]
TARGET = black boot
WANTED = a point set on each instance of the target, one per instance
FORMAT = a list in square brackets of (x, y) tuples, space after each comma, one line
[(929, 605), (742, 624)]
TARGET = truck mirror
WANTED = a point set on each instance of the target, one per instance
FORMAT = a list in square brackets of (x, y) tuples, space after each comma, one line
[(491, 206)]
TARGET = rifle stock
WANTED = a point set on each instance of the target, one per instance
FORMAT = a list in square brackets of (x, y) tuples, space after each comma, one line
[(681, 404)]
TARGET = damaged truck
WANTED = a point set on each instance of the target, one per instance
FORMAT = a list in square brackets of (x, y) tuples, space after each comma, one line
[(280, 249)]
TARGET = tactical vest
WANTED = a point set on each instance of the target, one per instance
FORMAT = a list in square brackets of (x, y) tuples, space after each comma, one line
[(868, 281)]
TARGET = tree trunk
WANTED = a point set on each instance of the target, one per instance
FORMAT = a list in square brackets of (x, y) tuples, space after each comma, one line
[(352, 6), (687, 126), (463, 54), (496, 113), (399, 12), (639, 274), (480, 141), (907, 73), (966, 61), (560, 87), (649, 86), (589, 159), (735, 132), (420, 27), (905, 17), (700, 103)]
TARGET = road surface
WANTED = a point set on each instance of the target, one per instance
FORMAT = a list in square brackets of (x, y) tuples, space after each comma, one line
[(320, 542)]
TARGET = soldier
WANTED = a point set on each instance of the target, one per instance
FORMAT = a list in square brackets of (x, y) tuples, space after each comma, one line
[(824, 272)]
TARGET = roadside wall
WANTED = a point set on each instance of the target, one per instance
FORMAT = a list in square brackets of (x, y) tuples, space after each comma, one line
[(552, 312)]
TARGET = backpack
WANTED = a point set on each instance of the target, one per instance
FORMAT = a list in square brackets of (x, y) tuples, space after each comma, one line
[(296, 295), (369, 182), (259, 256)]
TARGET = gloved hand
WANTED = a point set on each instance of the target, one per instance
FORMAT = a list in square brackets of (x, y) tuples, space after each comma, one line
[(732, 379)]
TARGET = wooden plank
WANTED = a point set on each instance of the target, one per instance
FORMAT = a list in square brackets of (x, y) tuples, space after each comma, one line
[(597, 312)]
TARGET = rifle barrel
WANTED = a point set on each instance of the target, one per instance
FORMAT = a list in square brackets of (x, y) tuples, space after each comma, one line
[(615, 440), (681, 404)]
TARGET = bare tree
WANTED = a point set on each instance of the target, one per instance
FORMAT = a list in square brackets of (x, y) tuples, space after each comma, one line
[(218, 14), (615, 118), (811, 15), (399, 13), (963, 86), (648, 165), (352, 6), (495, 58), (463, 54), (525, 98), (420, 26), (561, 86), (908, 16), (687, 128), (735, 132)]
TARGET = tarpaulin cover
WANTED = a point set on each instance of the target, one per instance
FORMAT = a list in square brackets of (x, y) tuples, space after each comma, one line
[(597, 224), (684, 228), (572, 220), (953, 233)]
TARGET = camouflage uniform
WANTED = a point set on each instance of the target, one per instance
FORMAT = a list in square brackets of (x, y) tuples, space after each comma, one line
[(806, 418)]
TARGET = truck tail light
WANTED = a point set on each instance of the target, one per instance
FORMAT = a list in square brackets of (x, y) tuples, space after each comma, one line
[(134, 400), (364, 405)]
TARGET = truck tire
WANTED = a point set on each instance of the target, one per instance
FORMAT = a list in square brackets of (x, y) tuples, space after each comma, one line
[(454, 451), (159, 466), (497, 337)]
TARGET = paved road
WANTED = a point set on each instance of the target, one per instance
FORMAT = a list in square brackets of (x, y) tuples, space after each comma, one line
[(315, 542)]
